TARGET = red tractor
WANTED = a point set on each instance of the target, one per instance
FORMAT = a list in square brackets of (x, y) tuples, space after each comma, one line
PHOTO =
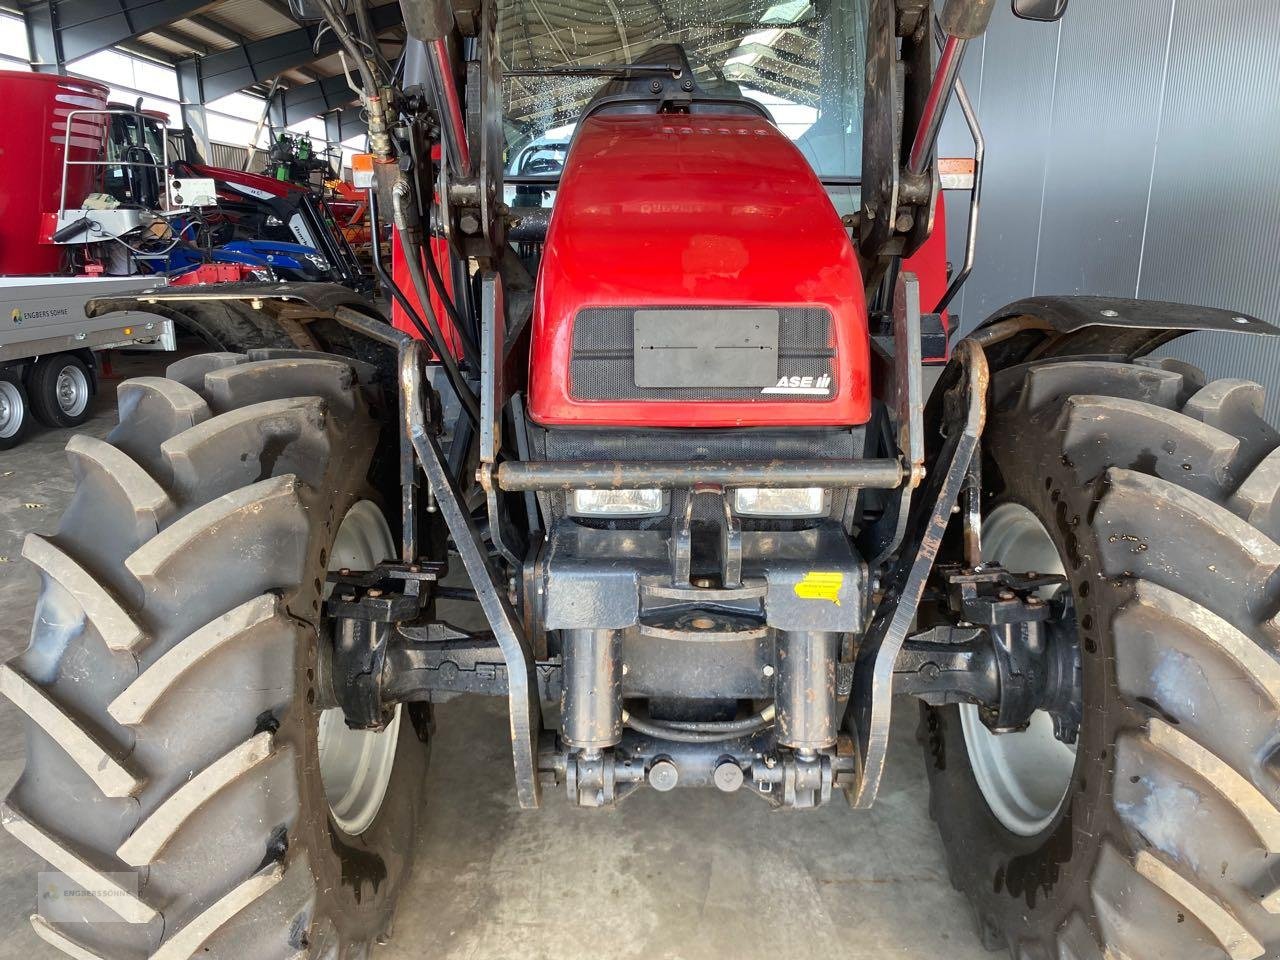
[(671, 437)]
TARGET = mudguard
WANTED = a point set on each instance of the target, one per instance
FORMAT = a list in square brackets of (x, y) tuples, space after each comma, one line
[(1042, 327)]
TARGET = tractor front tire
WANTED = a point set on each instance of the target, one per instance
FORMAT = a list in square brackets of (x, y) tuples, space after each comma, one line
[(1156, 495), (174, 685)]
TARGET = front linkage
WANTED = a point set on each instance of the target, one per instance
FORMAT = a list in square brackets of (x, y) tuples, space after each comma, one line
[(1001, 640), (991, 647)]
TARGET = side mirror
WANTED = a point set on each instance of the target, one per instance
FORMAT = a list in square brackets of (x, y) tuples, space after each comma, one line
[(1046, 11)]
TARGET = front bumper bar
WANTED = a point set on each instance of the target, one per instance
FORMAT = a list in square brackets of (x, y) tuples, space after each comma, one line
[(518, 476)]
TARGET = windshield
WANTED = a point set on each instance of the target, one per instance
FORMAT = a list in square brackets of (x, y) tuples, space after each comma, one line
[(801, 59)]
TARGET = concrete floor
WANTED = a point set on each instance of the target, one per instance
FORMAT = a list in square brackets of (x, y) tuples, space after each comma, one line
[(685, 876)]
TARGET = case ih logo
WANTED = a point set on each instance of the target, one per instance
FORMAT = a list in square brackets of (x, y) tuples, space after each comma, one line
[(802, 385)]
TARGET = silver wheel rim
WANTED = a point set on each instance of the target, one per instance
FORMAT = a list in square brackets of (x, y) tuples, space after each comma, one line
[(71, 390), (1023, 776), (12, 410), (356, 765)]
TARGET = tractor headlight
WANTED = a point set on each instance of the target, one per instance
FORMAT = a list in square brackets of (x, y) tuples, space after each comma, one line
[(617, 503), (780, 502)]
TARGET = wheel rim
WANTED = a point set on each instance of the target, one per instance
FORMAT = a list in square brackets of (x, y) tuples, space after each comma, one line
[(1023, 776), (71, 390), (12, 409), (356, 765)]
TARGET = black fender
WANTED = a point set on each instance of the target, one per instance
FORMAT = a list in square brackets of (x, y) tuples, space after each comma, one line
[(1043, 327), (255, 315)]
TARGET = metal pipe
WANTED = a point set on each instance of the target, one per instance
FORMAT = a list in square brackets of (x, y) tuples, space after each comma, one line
[(452, 105), (591, 702), (975, 197), (935, 106), (378, 330), (806, 691), (648, 474), (262, 121)]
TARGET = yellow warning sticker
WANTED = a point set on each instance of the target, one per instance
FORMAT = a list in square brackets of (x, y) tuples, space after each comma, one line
[(820, 585)]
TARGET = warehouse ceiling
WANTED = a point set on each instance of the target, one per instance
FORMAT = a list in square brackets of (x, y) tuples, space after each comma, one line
[(242, 45), (258, 46), (769, 46)]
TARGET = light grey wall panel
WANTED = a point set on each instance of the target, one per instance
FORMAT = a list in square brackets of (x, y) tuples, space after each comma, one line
[(1105, 115), (1214, 230), (1017, 84), (1135, 150)]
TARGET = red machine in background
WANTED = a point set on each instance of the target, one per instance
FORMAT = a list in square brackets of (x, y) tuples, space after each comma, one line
[(36, 142)]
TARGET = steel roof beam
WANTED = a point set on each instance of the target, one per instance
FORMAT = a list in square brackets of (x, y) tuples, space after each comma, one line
[(87, 26), (280, 7), (43, 37), (330, 97), (310, 100), (230, 70), (192, 94), (148, 52), (173, 36), (217, 29)]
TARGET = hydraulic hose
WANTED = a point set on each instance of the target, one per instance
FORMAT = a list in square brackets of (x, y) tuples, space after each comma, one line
[(413, 257), (469, 347), (384, 274), (700, 731), (397, 294)]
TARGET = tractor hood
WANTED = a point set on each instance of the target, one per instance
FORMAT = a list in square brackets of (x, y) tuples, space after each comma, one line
[(664, 212)]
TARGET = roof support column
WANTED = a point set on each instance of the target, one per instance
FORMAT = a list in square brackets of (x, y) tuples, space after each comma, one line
[(191, 93), (44, 39), (333, 135)]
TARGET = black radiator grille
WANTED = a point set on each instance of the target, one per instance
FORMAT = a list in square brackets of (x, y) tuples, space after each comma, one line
[(602, 365)]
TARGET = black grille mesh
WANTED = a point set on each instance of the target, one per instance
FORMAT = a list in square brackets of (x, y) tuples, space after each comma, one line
[(602, 365)]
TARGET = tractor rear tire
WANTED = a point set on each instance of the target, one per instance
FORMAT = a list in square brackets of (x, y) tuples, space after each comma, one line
[(1159, 497), (176, 675)]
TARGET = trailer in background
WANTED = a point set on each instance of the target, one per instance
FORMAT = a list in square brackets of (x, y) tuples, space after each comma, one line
[(48, 367)]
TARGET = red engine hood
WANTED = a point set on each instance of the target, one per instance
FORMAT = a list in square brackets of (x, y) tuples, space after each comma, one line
[(673, 211)]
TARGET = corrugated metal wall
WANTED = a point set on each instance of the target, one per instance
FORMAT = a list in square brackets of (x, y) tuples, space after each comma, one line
[(225, 155), (1133, 149)]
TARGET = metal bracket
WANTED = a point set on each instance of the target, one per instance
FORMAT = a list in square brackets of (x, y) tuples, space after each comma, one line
[(730, 540), (1012, 653), (365, 607), (867, 714), (907, 365), (522, 690), (492, 332)]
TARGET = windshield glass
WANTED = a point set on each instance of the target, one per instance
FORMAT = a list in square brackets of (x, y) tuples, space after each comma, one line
[(802, 59)]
